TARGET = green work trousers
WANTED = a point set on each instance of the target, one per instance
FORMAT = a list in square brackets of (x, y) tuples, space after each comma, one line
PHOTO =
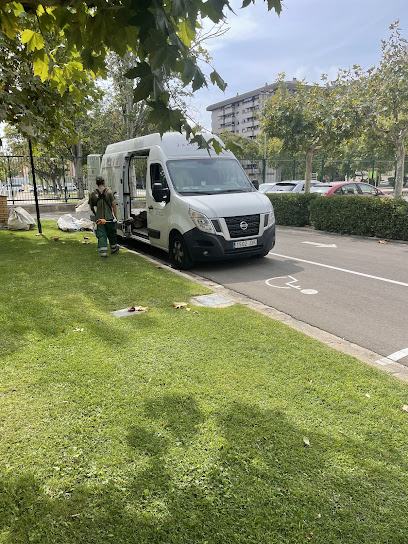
[(104, 233)]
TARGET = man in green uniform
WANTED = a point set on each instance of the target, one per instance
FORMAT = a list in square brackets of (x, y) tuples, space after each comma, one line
[(103, 207)]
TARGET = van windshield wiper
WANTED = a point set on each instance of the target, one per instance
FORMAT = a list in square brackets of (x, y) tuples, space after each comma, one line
[(242, 190)]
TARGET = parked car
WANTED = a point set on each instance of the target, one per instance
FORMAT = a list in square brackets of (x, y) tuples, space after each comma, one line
[(291, 186), (17, 184), (357, 188), (265, 187)]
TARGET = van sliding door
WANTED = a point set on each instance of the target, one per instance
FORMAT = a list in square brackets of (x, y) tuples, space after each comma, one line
[(137, 182)]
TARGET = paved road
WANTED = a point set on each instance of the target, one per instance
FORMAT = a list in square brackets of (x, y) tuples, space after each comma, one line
[(357, 290)]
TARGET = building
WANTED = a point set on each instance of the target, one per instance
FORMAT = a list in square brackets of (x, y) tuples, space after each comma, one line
[(239, 114)]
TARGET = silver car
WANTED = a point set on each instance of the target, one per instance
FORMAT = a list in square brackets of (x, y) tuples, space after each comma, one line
[(266, 187), (291, 186)]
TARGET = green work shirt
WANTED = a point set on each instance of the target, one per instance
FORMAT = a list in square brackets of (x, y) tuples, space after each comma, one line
[(103, 206)]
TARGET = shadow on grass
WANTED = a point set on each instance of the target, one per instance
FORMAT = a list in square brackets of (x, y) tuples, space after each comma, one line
[(261, 486)]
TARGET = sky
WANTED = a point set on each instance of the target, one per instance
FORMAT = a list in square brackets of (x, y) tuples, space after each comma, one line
[(308, 39)]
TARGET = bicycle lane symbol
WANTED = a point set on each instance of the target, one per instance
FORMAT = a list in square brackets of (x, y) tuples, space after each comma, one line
[(289, 284)]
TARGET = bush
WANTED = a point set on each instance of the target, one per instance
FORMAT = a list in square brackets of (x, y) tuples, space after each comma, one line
[(379, 217), (292, 209)]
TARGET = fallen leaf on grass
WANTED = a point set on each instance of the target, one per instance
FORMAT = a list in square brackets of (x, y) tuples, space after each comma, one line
[(180, 305), (79, 330), (137, 309), (405, 407), (54, 238), (306, 441), (63, 329)]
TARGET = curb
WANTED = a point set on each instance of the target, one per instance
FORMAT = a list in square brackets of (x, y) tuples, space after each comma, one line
[(358, 236), (47, 208)]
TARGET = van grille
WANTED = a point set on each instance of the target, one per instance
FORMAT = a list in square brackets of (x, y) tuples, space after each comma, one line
[(234, 225)]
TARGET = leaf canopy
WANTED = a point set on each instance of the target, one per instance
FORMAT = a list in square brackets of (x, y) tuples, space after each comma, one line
[(157, 32)]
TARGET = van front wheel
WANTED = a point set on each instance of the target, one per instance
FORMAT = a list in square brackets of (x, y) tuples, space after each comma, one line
[(179, 255)]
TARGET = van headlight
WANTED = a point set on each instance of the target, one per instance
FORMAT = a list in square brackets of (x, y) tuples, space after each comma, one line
[(201, 221), (269, 219)]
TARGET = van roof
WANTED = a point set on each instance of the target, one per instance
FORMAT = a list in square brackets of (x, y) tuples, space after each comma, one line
[(174, 145)]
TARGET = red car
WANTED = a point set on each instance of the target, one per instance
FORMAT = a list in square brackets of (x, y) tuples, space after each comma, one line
[(347, 188)]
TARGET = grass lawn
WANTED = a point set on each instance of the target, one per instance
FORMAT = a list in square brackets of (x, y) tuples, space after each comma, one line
[(178, 426)]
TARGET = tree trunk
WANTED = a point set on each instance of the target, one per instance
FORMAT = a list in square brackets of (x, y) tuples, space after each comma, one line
[(129, 116), (399, 177), (79, 175), (308, 173)]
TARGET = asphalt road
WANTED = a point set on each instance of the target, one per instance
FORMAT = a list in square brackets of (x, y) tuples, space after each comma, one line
[(352, 287)]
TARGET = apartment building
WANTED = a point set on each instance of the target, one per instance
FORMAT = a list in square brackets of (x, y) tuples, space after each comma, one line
[(239, 114)]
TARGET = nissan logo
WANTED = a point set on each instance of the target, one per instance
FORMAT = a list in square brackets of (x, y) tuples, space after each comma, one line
[(243, 225)]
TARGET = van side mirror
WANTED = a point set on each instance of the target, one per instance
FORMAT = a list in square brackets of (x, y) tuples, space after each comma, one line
[(255, 183), (160, 194)]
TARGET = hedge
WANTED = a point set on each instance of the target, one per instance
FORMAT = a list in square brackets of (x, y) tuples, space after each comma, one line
[(364, 216), (292, 210)]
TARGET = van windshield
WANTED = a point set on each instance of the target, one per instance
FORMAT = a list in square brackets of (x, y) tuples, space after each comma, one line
[(208, 176)]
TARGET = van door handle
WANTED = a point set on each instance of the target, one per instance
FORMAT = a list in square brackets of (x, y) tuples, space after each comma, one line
[(150, 207)]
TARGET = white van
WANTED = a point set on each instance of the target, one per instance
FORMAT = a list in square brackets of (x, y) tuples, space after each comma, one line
[(196, 205)]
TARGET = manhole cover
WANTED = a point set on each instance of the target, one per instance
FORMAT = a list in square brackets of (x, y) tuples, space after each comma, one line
[(213, 300)]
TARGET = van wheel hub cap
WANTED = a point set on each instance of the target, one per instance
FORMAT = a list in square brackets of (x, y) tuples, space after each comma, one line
[(178, 252)]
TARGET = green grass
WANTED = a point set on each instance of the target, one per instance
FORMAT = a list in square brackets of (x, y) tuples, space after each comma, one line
[(179, 426)]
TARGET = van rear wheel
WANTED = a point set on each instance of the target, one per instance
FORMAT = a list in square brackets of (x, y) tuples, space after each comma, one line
[(179, 255)]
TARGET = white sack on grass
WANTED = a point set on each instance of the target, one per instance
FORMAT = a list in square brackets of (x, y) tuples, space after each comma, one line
[(83, 206), (74, 224), (19, 219)]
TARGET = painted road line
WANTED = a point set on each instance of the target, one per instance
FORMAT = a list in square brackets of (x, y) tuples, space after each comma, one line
[(379, 278), (319, 245), (290, 284), (394, 357)]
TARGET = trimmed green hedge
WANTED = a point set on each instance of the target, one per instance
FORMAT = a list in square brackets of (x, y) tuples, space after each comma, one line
[(292, 210), (363, 216)]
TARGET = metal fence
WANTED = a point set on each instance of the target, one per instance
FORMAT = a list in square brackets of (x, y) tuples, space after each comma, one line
[(56, 178), (374, 171)]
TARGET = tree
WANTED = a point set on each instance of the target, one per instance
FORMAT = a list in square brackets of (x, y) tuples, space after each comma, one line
[(380, 96), (309, 119), (158, 33), (34, 106)]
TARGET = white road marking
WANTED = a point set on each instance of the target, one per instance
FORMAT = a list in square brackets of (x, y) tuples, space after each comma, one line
[(319, 245), (341, 269), (394, 357), (289, 284)]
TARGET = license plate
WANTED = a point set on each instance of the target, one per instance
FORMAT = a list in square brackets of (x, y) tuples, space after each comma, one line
[(244, 243)]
